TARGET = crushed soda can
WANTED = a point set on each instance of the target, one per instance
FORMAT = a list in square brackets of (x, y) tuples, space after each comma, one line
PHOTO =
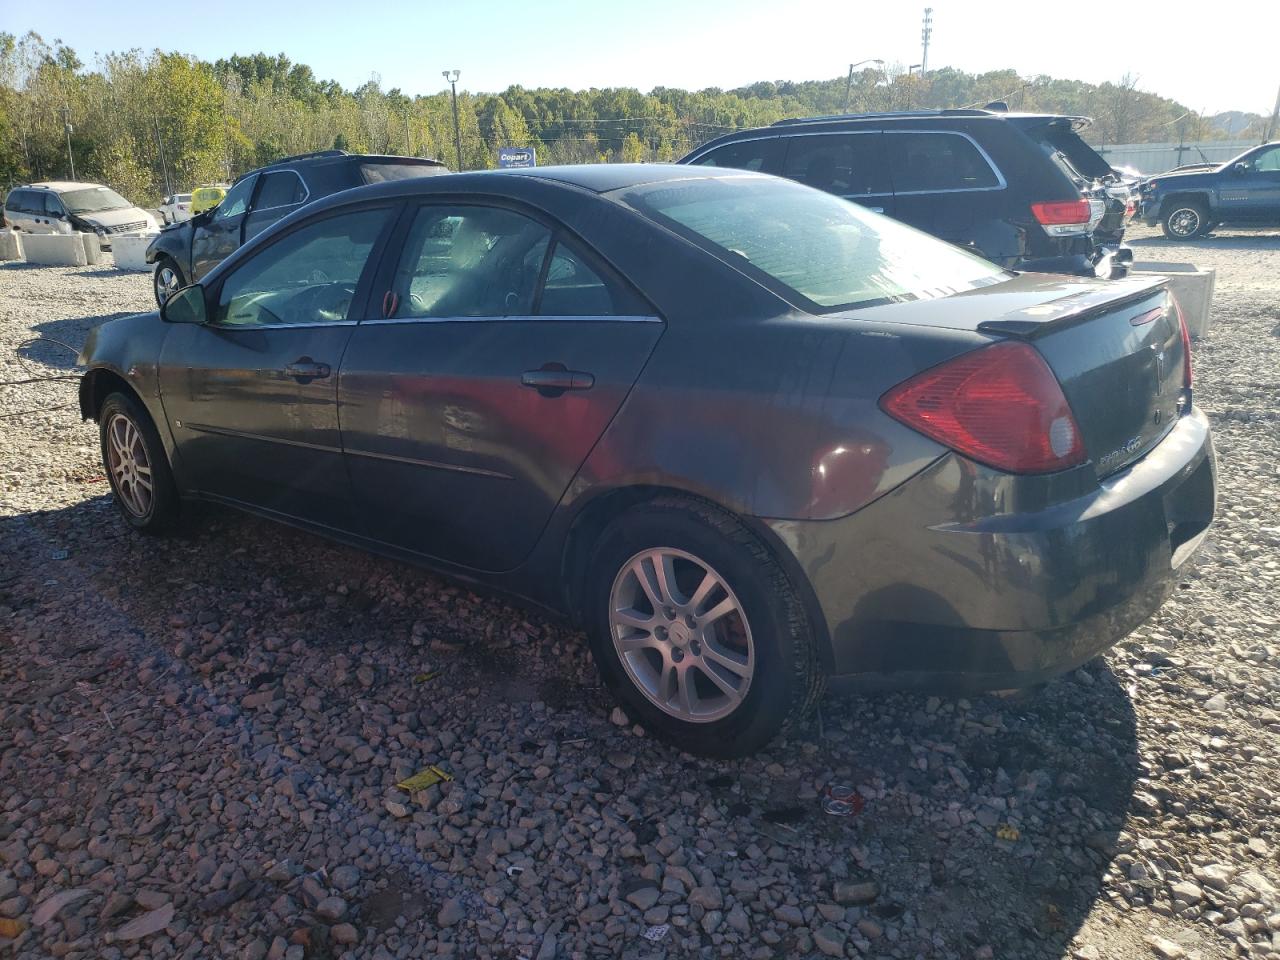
[(840, 800), (656, 933), (424, 778)]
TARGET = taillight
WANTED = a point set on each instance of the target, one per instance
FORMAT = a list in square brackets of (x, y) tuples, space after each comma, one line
[(1000, 405), (1186, 342), (1061, 218)]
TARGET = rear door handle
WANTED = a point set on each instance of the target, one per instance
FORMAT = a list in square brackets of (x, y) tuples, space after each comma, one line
[(304, 370), (551, 382)]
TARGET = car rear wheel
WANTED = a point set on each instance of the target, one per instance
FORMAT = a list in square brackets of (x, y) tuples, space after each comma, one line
[(167, 280), (1185, 220), (698, 631), (136, 465)]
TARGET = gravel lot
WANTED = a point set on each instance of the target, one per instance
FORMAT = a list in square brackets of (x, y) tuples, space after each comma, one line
[(200, 737)]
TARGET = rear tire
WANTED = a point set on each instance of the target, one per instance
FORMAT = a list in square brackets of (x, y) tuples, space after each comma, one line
[(136, 465), (167, 280), (1185, 220), (749, 628)]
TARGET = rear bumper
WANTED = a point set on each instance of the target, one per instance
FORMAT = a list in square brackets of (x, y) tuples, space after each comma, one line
[(934, 586)]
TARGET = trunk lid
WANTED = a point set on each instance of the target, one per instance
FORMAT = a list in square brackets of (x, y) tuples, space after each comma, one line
[(1116, 348)]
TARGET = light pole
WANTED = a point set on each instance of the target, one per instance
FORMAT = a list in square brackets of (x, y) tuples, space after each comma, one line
[(67, 128), (452, 77), (848, 84)]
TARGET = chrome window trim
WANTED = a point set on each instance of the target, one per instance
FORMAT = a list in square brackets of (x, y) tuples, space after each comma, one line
[(1001, 183), (284, 206), (279, 326), (522, 317)]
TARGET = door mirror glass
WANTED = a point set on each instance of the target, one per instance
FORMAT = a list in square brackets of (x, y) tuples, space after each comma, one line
[(185, 306), (1240, 168)]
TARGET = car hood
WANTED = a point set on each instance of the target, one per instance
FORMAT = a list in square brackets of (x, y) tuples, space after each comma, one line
[(113, 218), (1190, 177)]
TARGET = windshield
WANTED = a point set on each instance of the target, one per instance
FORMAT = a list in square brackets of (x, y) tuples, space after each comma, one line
[(94, 200), (830, 253)]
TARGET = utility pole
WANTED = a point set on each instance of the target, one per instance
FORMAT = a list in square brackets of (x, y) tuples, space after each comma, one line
[(67, 128), (452, 77), (926, 31), (1275, 116), (164, 167)]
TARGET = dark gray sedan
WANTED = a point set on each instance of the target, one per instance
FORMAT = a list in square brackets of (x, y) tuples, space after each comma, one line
[(749, 435)]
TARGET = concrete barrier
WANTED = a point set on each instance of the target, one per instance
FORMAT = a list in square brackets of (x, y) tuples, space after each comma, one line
[(54, 249), (1192, 286), (10, 245), (130, 251), (92, 247)]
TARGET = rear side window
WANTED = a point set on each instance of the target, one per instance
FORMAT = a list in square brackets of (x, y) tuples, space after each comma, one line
[(761, 156), (846, 164), (281, 189), (932, 162), (16, 201)]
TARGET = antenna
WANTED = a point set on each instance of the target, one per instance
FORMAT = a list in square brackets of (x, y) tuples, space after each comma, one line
[(926, 31)]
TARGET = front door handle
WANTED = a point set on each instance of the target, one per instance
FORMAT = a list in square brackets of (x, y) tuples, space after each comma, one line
[(553, 380), (304, 370)]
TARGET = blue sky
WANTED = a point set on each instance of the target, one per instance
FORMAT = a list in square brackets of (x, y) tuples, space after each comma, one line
[(692, 44)]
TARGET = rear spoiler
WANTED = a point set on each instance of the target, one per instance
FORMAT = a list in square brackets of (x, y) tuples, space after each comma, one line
[(1074, 308)]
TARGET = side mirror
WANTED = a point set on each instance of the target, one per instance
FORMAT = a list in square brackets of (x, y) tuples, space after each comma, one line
[(1240, 168), (186, 306)]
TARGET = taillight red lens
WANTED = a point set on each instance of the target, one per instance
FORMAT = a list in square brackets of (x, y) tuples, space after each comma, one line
[(1000, 405), (1062, 212), (1186, 342)]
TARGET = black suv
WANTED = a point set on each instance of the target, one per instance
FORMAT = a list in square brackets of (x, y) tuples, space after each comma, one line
[(185, 252), (1022, 190)]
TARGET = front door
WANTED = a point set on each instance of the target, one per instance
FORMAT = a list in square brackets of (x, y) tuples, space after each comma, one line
[(467, 411), (252, 394), (221, 233), (1251, 190)]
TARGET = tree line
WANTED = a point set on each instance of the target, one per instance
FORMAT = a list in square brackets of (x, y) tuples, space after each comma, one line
[(147, 124)]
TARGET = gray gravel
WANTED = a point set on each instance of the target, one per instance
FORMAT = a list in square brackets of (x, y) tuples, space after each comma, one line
[(200, 740)]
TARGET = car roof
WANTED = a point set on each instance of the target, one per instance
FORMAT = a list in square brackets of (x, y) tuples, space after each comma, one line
[(59, 185)]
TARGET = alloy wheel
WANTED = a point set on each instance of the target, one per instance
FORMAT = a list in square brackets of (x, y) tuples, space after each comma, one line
[(1184, 222), (166, 283), (130, 468), (681, 635)]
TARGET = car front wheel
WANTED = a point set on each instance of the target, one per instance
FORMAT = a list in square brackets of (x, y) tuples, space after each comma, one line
[(1185, 220), (167, 280), (136, 465), (698, 630)]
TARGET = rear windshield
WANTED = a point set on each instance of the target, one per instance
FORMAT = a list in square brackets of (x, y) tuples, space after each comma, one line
[(93, 200), (829, 253), (379, 172)]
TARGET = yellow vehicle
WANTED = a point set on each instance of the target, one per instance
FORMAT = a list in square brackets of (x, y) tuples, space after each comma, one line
[(207, 197)]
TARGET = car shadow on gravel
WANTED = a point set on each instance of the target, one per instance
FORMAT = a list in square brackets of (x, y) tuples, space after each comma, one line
[(982, 822), (48, 339)]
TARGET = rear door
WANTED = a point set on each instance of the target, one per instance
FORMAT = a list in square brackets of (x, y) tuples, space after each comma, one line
[(252, 394), (279, 194), (943, 183), (850, 165), (216, 238), (505, 350)]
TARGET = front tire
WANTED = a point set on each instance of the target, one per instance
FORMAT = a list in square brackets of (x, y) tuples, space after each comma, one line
[(1185, 220), (136, 465), (698, 630), (167, 280)]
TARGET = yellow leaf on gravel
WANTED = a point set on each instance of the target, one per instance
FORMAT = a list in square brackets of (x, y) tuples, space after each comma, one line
[(11, 928)]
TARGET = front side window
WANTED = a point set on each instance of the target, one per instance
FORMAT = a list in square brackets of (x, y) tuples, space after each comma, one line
[(759, 156), (848, 164), (308, 276), (468, 261), (94, 200), (281, 189), (236, 201), (828, 253), (53, 206), (930, 162), (1268, 161)]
